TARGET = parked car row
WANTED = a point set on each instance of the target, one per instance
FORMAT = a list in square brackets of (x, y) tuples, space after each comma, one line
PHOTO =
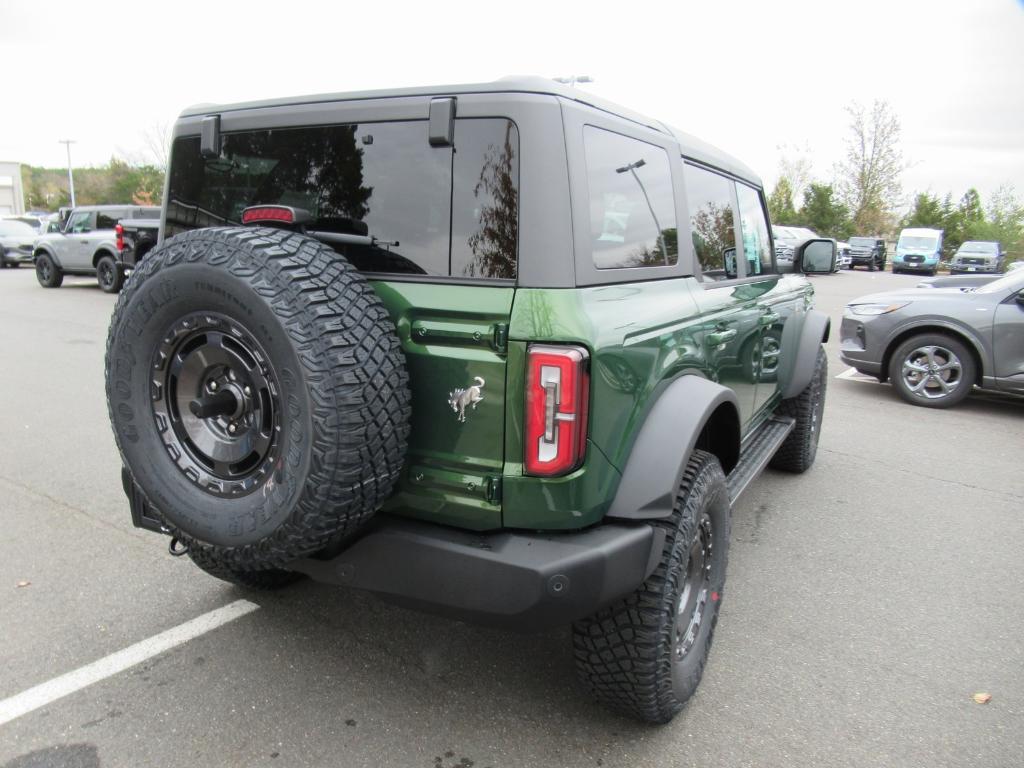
[(88, 241)]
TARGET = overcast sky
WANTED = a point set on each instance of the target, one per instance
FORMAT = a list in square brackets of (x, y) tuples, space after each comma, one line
[(750, 77)]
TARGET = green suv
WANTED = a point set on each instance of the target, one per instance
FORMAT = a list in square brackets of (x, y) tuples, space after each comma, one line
[(505, 352)]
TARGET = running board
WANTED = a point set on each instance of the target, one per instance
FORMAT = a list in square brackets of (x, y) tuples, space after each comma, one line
[(756, 452)]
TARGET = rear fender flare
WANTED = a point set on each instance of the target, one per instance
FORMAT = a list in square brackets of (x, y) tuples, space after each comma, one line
[(813, 332), (665, 442)]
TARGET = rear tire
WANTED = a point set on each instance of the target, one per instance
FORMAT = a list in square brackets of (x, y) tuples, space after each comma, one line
[(48, 273), (797, 452), (109, 275), (644, 655)]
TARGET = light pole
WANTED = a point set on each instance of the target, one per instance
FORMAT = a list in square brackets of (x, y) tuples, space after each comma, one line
[(632, 169), (573, 79), (71, 179)]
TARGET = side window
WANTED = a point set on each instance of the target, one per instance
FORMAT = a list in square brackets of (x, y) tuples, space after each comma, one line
[(81, 222), (712, 222), (632, 208), (109, 219), (757, 248), (485, 199)]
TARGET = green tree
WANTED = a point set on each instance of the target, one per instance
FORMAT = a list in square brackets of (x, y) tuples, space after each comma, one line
[(869, 175), (926, 212), (824, 213), (780, 203)]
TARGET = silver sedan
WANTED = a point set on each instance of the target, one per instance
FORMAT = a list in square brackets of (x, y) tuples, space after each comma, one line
[(936, 344)]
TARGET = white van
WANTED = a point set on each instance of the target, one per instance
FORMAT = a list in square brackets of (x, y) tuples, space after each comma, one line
[(918, 250)]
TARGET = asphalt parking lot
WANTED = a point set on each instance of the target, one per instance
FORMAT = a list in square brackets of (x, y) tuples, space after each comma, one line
[(868, 600)]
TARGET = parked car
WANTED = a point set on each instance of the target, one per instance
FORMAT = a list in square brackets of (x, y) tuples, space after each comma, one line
[(918, 250), (844, 259), (976, 256), (16, 239), (487, 382), (86, 245), (787, 239), (135, 238), (936, 344), (957, 281), (867, 252)]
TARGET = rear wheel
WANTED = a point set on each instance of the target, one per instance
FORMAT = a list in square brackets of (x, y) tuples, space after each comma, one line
[(644, 656), (48, 273), (932, 370), (109, 275), (797, 453)]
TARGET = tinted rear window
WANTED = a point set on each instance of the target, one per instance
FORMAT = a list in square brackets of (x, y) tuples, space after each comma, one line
[(377, 180), (632, 208)]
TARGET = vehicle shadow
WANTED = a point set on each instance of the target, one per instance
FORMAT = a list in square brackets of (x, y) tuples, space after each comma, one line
[(375, 665)]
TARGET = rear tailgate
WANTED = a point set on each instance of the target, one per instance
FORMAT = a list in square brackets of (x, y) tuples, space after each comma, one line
[(453, 337)]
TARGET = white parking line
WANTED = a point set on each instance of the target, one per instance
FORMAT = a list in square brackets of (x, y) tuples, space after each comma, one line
[(45, 693), (852, 374)]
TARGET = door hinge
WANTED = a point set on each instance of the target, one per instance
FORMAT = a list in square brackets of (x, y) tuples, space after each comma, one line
[(494, 490), (500, 337)]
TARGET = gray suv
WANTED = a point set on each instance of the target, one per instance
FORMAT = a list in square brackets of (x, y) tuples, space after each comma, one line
[(87, 245)]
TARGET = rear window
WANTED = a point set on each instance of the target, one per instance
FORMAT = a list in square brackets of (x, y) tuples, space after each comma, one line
[(381, 180), (632, 208)]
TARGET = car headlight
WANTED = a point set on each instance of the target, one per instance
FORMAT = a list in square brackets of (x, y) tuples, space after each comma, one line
[(875, 309)]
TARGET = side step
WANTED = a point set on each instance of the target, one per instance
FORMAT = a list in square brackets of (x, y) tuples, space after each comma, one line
[(756, 452)]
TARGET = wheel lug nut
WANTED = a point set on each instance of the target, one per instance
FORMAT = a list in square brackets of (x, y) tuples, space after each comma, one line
[(247, 389), (213, 386), (232, 428)]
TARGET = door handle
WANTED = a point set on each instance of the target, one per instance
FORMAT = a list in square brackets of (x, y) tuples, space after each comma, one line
[(720, 337), (768, 318)]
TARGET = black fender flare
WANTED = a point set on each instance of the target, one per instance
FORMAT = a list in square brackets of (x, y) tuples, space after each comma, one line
[(794, 377), (100, 253), (663, 446), (49, 252)]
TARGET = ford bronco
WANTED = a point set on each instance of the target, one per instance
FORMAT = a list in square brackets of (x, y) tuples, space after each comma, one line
[(506, 352)]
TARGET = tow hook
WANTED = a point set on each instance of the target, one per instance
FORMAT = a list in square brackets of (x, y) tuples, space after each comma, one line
[(176, 548)]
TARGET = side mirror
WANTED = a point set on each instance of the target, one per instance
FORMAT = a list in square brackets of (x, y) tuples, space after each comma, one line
[(816, 257), (1020, 298)]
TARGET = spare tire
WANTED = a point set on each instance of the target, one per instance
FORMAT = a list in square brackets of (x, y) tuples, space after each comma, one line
[(258, 393)]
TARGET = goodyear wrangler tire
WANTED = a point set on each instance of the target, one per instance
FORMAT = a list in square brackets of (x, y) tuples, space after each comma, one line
[(258, 394)]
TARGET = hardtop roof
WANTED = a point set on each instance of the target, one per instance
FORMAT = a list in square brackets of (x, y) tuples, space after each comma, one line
[(691, 146)]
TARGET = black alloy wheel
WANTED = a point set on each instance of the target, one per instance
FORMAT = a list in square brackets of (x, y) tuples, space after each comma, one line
[(216, 399)]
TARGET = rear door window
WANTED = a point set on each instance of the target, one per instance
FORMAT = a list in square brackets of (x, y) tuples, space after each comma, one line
[(109, 219), (632, 207), (712, 203)]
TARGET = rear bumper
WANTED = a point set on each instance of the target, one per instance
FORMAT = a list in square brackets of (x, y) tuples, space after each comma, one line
[(525, 581), (514, 579)]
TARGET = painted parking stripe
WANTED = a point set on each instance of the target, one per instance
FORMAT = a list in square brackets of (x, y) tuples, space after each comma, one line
[(48, 692), (852, 374)]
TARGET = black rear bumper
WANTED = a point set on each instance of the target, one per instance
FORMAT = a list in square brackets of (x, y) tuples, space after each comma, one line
[(513, 579)]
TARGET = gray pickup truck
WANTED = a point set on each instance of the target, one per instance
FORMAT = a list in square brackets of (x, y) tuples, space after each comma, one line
[(87, 245)]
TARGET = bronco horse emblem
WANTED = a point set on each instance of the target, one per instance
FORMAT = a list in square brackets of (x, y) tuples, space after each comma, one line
[(460, 398)]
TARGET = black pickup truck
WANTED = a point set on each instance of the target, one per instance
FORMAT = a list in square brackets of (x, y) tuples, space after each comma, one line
[(135, 237)]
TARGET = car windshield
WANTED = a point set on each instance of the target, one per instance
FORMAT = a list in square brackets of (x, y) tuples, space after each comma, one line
[(1012, 281), (863, 241), (979, 247), (16, 228), (917, 242)]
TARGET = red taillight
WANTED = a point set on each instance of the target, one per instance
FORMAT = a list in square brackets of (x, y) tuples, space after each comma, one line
[(557, 394), (119, 232), (275, 213)]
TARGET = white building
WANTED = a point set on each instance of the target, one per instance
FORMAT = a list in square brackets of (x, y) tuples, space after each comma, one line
[(12, 197)]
